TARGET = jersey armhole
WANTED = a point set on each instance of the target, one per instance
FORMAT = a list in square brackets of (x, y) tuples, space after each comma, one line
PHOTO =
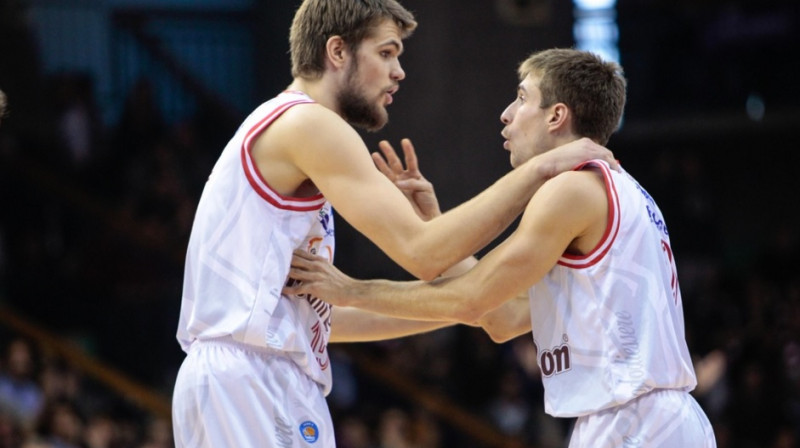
[(612, 223)]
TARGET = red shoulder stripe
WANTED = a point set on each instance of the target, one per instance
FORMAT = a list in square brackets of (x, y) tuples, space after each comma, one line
[(612, 225), (254, 177)]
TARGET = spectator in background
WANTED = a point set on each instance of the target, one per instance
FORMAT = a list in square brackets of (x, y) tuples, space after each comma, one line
[(78, 129), (11, 435), (20, 394), (61, 425)]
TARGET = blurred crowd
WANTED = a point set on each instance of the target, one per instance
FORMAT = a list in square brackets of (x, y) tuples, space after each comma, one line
[(46, 403), (95, 220)]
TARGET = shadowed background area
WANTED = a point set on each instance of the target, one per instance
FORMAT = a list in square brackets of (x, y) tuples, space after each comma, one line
[(119, 108)]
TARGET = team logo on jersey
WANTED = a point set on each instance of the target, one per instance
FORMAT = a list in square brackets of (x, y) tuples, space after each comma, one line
[(556, 360), (309, 431), (326, 221)]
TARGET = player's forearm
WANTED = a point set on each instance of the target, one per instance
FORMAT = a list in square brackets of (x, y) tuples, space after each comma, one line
[(444, 299), (355, 325)]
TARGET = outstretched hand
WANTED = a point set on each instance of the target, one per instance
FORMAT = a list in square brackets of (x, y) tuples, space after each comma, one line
[(408, 179), (567, 157), (318, 277)]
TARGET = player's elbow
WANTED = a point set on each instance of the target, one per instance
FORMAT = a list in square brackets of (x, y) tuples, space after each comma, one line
[(423, 269), (428, 275), (498, 334), (502, 328), (423, 261)]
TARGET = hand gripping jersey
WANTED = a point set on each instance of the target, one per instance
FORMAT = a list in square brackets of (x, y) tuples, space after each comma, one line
[(608, 325), (239, 254)]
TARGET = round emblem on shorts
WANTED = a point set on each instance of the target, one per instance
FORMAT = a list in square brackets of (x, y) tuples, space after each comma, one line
[(309, 431)]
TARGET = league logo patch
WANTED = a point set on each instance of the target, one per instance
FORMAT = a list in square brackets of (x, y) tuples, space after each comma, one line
[(309, 431)]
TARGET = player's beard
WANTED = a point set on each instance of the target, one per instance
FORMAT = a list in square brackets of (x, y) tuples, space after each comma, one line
[(358, 110)]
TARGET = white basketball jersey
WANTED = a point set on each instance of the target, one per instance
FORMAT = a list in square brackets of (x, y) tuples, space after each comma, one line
[(608, 325), (239, 254)]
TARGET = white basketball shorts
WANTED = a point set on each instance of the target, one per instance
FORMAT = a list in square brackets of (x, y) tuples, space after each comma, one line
[(661, 418), (229, 394)]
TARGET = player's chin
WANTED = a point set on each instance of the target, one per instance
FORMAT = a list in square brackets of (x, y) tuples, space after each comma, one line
[(379, 120)]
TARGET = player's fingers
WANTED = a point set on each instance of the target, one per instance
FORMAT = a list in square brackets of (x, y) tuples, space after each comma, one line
[(391, 156), (299, 274), (303, 259), (412, 185), (601, 152), (299, 264), (302, 254), (612, 161), (410, 155), (608, 156), (382, 166), (297, 287)]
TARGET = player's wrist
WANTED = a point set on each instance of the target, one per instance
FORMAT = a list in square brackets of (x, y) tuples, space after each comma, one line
[(538, 169)]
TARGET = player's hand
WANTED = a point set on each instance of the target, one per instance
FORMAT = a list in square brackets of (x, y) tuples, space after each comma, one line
[(408, 179), (567, 157), (318, 277)]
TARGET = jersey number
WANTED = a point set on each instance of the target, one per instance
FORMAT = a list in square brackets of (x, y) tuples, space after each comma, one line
[(673, 284)]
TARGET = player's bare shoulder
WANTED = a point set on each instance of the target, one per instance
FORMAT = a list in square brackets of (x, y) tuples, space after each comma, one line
[(584, 205), (585, 184), (308, 142), (312, 126), (279, 146), (577, 198)]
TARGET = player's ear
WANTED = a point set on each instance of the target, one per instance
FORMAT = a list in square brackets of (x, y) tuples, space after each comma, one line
[(560, 117), (336, 51)]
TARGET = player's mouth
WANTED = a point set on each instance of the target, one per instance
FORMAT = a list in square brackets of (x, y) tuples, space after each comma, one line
[(388, 96), (506, 141)]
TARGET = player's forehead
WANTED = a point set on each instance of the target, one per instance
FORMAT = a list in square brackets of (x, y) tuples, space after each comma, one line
[(529, 85), (386, 33)]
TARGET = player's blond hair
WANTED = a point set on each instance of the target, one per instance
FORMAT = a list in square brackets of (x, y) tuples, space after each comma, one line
[(316, 21), (592, 88)]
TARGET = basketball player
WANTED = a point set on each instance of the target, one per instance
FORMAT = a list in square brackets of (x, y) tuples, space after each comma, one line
[(257, 368), (592, 262)]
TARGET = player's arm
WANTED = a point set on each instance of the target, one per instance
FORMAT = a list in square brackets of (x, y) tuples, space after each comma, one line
[(334, 157), (565, 209), (355, 325), (509, 320)]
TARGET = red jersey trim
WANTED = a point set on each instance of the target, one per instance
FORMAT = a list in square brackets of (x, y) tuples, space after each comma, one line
[(254, 177), (612, 224)]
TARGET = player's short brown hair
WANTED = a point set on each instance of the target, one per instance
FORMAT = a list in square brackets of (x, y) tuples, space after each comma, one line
[(593, 89), (316, 21)]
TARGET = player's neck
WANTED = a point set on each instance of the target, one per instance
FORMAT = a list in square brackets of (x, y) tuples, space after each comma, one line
[(562, 139), (319, 90)]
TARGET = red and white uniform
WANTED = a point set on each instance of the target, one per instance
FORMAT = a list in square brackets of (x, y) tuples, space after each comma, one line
[(232, 308), (609, 326)]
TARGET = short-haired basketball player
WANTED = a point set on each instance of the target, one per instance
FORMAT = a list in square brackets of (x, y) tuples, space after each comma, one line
[(589, 270)]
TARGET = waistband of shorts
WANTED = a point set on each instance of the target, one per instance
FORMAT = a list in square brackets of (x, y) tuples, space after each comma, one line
[(228, 341)]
